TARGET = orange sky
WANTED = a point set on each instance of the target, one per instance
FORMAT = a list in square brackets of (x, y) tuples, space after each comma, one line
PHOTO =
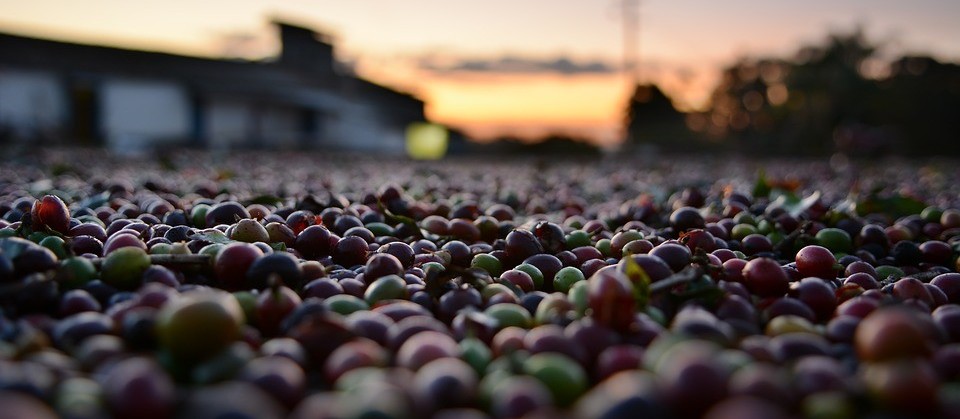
[(527, 67)]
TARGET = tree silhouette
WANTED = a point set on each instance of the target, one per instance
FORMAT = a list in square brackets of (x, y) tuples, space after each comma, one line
[(822, 101), (921, 102), (652, 120)]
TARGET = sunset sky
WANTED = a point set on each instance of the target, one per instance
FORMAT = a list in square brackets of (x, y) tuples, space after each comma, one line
[(526, 67)]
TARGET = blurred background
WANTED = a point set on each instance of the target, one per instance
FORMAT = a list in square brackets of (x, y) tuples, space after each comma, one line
[(429, 77)]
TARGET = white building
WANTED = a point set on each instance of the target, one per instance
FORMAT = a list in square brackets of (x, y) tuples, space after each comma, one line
[(55, 92)]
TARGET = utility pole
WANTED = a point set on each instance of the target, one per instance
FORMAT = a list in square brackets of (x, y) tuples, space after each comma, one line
[(630, 12)]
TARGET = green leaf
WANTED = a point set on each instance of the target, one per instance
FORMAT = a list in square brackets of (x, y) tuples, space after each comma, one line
[(783, 201), (434, 279), (640, 280), (848, 206), (896, 206), (708, 297), (805, 204), (761, 188), (392, 218), (278, 247), (793, 204), (702, 289)]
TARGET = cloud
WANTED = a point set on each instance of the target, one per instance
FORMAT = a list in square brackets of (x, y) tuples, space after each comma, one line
[(517, 65)]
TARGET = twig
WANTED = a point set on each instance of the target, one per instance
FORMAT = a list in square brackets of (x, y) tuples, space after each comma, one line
[(679, 278), (789, 240)]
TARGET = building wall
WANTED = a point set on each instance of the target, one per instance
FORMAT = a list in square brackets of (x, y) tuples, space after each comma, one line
[(132, 114), (229, 123), (280, 127), (140, 113), (235, 123), (358, 127), (32, 103)]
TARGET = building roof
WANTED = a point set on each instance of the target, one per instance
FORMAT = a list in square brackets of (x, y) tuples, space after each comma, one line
[(271, 79)]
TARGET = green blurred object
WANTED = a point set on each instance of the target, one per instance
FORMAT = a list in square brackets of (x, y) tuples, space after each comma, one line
[(566, 277), (56, 245), (488, 263), (75, 272), (835, 239), (345, 304), (426, 141), (124, 267)]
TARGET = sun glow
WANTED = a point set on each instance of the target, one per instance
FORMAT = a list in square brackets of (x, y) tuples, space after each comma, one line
[(683, 46)]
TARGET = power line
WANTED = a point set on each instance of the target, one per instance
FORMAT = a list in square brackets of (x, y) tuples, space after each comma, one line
[(630, 13)]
